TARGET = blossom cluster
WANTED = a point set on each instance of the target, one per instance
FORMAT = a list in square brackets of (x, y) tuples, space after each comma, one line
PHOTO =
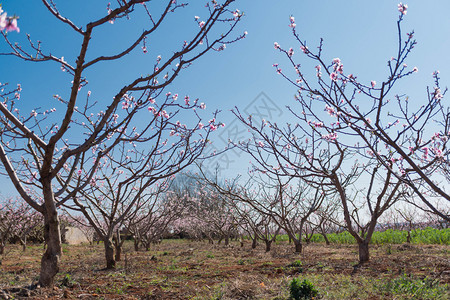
[(402, 8), (8, 23)]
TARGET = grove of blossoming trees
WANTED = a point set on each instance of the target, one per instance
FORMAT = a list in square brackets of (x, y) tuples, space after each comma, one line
[(39, 151), (354, 152)]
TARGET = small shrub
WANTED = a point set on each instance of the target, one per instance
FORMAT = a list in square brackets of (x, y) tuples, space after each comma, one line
[(302, 290), (296, 263), (296, 266)]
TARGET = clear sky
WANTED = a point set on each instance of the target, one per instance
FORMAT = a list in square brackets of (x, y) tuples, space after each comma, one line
[(362, 33)]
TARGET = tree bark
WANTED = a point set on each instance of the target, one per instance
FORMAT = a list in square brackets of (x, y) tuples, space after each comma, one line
[(118, 252), (118, 246), (327, 241), (254, 243), (51, 259), (227, 240), (298, 246), (268, 245), (109, 254), (363, 251), (2, 247), (136, 245), (24, 243)]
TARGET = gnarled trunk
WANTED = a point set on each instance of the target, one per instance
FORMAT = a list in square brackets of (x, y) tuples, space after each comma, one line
[(109, 254), (136, 245), (51, 259), (363, 248)]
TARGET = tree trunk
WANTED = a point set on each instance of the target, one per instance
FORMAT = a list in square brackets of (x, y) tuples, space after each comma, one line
[(118, 252), (327, 241), (254, 243), (363, 251), (24, 243), (118, 245), (2, 247), (227, 240), (268, 245), (52, 256), (136, 245), (109, 254), (298, 246)]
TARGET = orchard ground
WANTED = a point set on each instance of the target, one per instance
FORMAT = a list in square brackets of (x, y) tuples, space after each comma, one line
[(184, 269)]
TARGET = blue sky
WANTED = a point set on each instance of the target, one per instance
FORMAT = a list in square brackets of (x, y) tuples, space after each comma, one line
[(362, 33)]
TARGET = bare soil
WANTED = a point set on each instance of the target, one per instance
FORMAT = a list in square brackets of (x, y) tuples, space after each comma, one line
[(180, 269)]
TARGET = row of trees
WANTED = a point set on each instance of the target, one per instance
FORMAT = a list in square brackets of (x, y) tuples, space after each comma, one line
[(191, 207)]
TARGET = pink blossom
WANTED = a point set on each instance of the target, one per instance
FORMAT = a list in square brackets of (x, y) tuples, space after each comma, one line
[(291, 52), (333, 76), (201, 24), (200, 125), (212, 127), (373, 83), (203, 105), (165, 114), (260, 144), (402, 8), (186, 100), (304, 49), (437, 94), (11, 24), (276, 45), (292, 22), (330, 137), (415, 69)]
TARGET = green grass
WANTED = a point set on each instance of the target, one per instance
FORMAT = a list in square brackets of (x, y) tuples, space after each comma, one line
[(390, 236), (408, 287)]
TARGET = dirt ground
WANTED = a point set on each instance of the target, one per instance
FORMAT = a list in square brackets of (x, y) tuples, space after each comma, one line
[(180, 269)]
